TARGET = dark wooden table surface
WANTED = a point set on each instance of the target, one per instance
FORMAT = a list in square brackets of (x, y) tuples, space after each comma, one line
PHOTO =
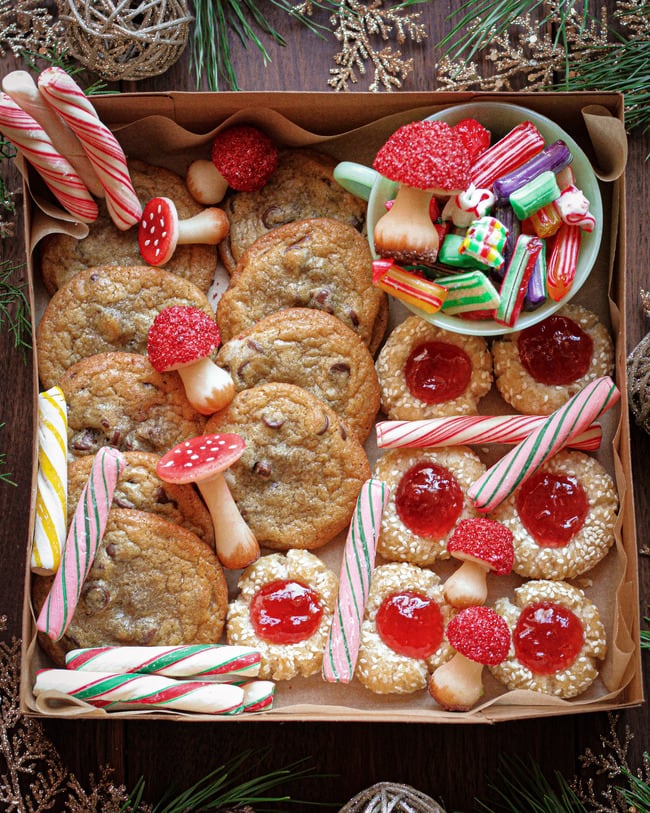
[(450, 762)]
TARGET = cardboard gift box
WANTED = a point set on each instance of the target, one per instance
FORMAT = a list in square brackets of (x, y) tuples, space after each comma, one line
[(171, 130)]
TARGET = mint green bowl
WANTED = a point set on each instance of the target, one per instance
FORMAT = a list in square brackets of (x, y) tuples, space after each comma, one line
[(499, 119)]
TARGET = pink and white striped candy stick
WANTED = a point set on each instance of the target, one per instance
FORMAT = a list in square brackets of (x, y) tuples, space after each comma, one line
[(106, 690), (569, 420), (34, 144), (104, 152), (83, 540), (342, 647), (519, 145), (461, 430), (205, 661)]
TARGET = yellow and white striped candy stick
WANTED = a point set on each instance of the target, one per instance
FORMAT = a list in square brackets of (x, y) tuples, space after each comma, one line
[(50, 527)]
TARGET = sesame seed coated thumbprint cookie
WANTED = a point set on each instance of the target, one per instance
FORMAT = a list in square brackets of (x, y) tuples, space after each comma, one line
[(538, 369), (427, 372)]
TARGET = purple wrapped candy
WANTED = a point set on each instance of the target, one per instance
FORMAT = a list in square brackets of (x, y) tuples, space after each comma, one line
[(552, 158), (504, 213), (536, 291)]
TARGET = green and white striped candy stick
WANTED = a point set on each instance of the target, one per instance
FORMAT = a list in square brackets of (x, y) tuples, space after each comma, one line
[(569, 420), (107, 690)]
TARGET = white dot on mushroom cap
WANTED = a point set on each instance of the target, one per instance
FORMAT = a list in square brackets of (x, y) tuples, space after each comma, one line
[(156, 242), (188, 464), (159, 208), (233, 446), (152, 230), (150, 215), (194, 457), (162, 222), (144, 223), (147, 242), (164, 234)]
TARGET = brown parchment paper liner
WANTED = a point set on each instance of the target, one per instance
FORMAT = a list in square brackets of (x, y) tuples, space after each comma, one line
[(612, 585)]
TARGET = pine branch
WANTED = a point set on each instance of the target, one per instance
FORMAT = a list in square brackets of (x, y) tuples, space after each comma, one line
[(521, 787), (14, 308), (214, 20)]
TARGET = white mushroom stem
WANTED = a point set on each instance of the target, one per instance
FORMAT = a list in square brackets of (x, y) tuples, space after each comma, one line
[(467, 586), (457, 685), (235, 543), (407, 225), (205, 183), (209, 227), (207, 387)]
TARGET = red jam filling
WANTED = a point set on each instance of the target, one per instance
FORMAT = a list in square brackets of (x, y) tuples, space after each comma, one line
[(285, 612), (410, 624), (428, 500), (437, 371), (547, 638), (552, 508), (556, 351)]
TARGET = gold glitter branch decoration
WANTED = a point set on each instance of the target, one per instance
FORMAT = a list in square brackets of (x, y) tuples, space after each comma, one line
[(362, 30)]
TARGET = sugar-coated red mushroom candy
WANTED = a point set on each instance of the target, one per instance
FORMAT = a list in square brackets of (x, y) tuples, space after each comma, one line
[(183, 337), (243, 158), (558, 639), (483, 546), (202, 460), (481, 638), (425, 158)]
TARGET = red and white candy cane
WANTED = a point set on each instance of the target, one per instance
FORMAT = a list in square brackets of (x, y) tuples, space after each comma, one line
[(342, 647), (34, 144), (102, 148), (519, 145), (83, 540), (569, 420), (206, 661), (106, 690), (462, 430)]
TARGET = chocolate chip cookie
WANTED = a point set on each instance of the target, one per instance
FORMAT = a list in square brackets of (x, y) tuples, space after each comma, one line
[(62, 256), (315, 263), (140, 488), (302, 186), (297, 482), (104, 309), (311, 349), (118, 399), (152, 583)]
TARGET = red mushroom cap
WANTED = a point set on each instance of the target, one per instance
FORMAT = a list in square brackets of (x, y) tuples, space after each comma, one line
[(485, 540), (475, 137), (158, 231), (425, 155), (479, 634), (245, 156), (200, 458), (181, 335)]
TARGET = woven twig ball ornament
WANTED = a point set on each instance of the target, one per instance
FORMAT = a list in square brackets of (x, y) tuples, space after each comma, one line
[(638, 374), (389, 797), (125, 39)]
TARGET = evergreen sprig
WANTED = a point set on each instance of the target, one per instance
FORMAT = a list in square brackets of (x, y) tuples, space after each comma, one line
[(14, 307), (214, 20), (223, 789), (522, 787), (5, 477)]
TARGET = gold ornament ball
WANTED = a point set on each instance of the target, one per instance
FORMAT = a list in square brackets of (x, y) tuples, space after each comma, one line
[(130, 40)]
